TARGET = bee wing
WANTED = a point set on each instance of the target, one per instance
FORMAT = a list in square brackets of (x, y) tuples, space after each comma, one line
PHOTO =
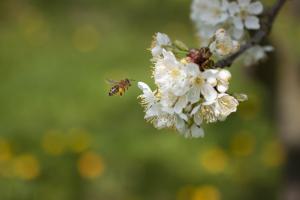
[(111, 82)]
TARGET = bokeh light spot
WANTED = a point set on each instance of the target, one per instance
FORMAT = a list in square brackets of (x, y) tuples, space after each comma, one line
[(85, 38), (242, 144), (90, 165), (214, 160), (53, 143), (185, 193), (273, 154), (5, 150), (26, 167), (207, 192), (34, 27)]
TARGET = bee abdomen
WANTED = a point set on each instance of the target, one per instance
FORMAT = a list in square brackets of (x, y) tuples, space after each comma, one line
[(114, 90)]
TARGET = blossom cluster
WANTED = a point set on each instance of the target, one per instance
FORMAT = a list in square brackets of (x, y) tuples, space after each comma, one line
[(238, 17), (189, 90)]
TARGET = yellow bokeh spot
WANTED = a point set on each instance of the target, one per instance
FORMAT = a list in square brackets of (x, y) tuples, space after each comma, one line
[(85, 38), (206, 192), (242, 144), (79, 140), (273, 154), (214, 160), (53, 142), (26, 167), (90, 165), (185, 193), (34, 27), (5, 150)]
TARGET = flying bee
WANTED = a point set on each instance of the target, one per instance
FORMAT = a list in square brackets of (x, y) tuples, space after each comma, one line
[(119, 87)]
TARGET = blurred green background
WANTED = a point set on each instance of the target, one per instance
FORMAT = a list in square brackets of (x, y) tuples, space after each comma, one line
[(63, 138)]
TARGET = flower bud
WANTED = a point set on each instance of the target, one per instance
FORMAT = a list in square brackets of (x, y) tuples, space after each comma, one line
[(224, 75)]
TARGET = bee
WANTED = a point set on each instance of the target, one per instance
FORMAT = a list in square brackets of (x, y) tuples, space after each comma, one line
[(119, 87)]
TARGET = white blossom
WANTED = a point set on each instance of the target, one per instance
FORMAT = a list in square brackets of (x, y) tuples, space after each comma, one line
[(223, 45), (236, 17), (187, 94), (153, 109), (170, 74), (209, 112), (149, 101), (226, 105), (223, 78), (210, 12), (160, 40), (256, 54), (244, 14), (199, 85), (208, 16)]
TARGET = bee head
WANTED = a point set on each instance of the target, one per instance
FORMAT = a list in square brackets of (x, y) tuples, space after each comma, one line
[(127, 81)]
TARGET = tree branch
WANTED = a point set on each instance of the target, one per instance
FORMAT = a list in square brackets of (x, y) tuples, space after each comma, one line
[(267, 21)]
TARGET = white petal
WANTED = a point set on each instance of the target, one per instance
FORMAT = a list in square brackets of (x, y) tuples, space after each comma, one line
[(194, 94), (197, 131), (197, 119), (222, 88), (220, 33), (195, 109), (225, 4), (233, 8), (252, 22), (154, 110), (183, 116), (180, 125), (193, 69), (169, 56), (156, 51), (209, 93), (181, 103), (212, 81), (237, 33), (235, 46), (210, 73), (238, 23), (213, 46), (144, 87), (255, 8), (268, 48), (244, 3), (163, 39), (224, 75)]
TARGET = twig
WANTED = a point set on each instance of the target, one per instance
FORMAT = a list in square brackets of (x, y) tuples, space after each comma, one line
[(266, 26)]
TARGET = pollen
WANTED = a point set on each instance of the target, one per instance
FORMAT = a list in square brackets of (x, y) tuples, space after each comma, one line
[(225, 49), (199, 81), (175, 73)]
